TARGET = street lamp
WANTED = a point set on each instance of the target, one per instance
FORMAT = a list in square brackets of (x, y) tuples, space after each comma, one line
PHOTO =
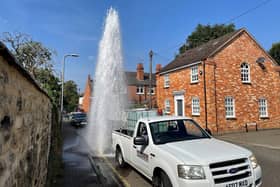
[(62, 77)]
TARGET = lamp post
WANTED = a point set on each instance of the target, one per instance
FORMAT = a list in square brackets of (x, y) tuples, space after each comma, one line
[(151, 53), (62, 78)]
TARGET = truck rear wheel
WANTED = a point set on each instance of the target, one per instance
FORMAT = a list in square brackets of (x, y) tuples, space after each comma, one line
[(161, 180), (119, 158)]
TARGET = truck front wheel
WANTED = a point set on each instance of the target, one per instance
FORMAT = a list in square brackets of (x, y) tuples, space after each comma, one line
[(161, 180), (119, 158)]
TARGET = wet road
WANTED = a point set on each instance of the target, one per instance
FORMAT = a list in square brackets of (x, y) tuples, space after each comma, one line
[(82, 168)]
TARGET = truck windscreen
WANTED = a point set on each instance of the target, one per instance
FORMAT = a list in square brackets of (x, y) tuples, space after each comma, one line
[(176, 130)]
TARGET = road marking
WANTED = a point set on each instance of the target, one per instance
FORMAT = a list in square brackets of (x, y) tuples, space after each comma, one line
[(125, 182), (253, 144)]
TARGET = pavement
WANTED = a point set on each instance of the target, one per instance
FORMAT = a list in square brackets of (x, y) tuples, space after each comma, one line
[(83, 169)]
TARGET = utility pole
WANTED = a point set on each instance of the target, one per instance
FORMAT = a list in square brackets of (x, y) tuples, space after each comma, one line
[(150, 78)]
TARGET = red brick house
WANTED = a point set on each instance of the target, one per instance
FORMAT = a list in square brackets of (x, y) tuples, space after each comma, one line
[(223, 84), (138, 86), (87, 95)]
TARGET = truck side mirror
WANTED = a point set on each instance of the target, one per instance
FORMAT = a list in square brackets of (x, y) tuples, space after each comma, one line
[(140, 140)]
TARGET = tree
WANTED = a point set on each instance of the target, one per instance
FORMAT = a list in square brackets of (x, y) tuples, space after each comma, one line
[(204, 33), (71, 96), (275, 52), (29, 53), (50, 83)]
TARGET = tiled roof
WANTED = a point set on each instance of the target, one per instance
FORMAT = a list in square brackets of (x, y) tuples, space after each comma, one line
[(201, 52), (132, 80)]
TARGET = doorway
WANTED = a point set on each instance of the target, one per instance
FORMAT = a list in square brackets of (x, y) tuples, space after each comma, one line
[(179, 105)]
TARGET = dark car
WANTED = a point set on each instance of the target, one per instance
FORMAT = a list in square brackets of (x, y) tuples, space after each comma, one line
[(78, 119)]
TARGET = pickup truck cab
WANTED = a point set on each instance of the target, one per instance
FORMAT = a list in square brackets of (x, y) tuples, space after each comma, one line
[(176, 151)]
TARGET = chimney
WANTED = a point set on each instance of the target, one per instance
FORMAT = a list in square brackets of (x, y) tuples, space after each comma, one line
[(158, 68), (140, 71)]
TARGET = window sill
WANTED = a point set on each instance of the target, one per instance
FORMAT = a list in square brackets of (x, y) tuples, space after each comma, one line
[(196, 115), (249, 83), (231, 118), (139, 93), (195, 82), (264, 117), (166, 87)]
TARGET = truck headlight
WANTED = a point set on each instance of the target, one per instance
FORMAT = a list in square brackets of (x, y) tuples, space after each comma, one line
[(253, 161), (191, 172)]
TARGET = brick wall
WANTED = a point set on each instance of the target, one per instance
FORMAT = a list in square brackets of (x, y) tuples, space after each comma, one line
[(139, 98), (180, 81), (264, 83), (87, 96)]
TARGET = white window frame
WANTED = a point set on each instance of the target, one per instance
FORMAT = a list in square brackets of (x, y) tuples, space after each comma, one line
[(194, 74), (195, 106), (166, 81), (245, 72), (153, 91), (229, 107), (263, 112), (167, 106), (140, 90)]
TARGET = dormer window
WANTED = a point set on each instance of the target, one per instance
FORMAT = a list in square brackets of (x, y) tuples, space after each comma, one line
[(194, 74), (245, 73)]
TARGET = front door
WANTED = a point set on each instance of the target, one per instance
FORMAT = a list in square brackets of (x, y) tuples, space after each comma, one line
[(179, 105)]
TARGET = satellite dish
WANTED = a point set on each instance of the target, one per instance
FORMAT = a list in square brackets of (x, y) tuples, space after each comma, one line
[(260, 60)]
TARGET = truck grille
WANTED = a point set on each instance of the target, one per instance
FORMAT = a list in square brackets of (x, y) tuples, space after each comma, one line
[(230, 170)]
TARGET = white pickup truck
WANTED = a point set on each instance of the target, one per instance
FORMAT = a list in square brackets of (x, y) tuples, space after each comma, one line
[(176, 151)]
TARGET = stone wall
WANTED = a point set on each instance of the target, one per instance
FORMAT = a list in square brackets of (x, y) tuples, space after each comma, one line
[(25, 126)]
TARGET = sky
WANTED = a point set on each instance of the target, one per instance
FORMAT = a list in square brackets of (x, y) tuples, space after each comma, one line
[(75, 26)]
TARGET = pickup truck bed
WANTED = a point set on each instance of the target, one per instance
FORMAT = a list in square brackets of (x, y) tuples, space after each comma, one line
[(124, 132)]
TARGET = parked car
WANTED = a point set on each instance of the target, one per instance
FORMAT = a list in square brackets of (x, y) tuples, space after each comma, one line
[(177, 152), (78, 119)]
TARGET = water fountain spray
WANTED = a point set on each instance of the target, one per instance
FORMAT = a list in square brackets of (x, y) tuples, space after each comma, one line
[(109, 88)]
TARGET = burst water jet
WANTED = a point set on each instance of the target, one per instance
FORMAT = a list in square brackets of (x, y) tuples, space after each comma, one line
[(109, 88)]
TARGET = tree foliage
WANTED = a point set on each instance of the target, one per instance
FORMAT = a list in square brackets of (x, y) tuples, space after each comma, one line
[(204, 33), (71, 96), (275, 52), (31, 54), (50, 83)]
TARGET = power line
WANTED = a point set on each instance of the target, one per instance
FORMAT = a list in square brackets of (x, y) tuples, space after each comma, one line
[(248, 11)]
